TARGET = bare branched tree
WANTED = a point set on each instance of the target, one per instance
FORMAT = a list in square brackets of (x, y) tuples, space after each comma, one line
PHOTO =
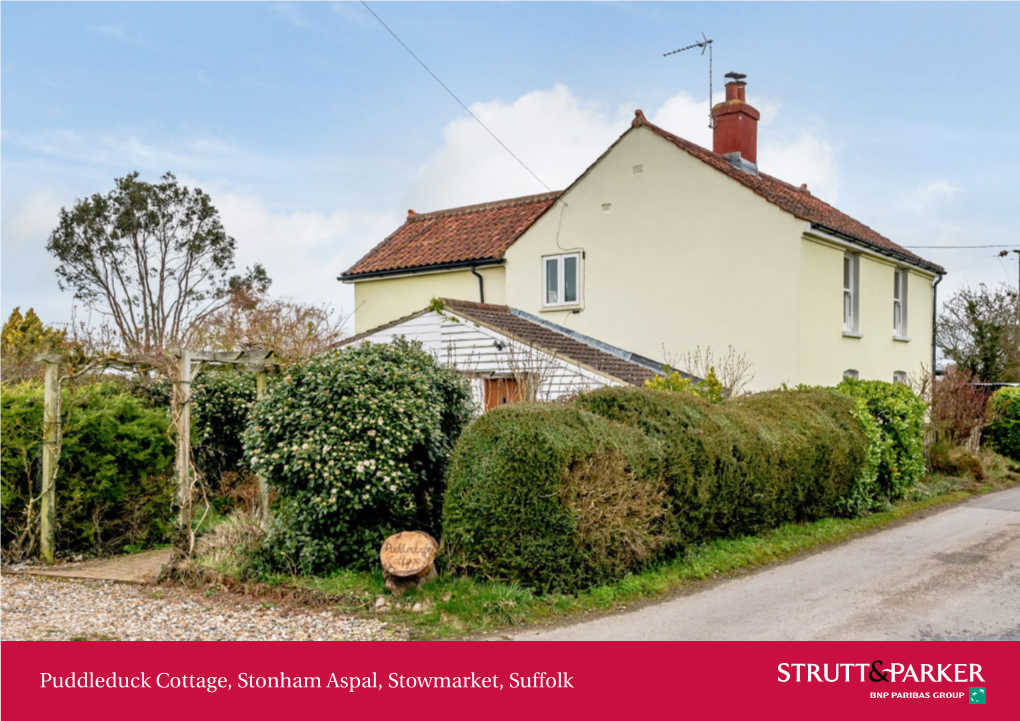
[(979, 331), (252, 320), (733, 369)]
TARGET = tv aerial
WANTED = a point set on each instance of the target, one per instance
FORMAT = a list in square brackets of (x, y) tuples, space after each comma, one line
[(705, 44)]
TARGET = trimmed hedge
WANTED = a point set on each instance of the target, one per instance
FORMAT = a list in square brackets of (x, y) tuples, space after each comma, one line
[(748, 464), (114, 487), (1003, 434), (900, 417), (553, 497), (684, 471)]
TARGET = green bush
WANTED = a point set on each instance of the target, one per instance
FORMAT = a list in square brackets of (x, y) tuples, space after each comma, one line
[(1003, 434), (114, 487), (553, 497), (900, 417), (221, 406), (748, 464), (356, 444)]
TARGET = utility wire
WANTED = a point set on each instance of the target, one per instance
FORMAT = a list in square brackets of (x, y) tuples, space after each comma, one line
[(453, 95), (959, 246)]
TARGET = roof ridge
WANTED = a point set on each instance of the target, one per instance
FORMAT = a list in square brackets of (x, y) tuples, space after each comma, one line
[(480, 207)]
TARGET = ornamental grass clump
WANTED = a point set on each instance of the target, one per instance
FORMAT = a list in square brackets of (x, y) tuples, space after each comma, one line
[(355, 442)]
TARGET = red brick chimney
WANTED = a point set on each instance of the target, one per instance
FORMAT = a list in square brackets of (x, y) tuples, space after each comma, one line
[(735, 133)]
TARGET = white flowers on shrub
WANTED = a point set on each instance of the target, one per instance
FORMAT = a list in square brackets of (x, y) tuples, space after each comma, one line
[(334, 424)]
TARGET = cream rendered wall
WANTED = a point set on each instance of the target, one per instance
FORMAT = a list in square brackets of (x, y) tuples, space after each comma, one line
[(684, 257), (383, 300), (825, 352)]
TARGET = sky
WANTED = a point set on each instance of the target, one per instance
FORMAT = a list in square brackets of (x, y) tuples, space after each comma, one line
[(314, 131)]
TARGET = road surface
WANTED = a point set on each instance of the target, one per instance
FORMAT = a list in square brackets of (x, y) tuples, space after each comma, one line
[(952, 576)]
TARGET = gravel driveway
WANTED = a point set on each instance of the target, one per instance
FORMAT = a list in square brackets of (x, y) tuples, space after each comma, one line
[(33, 609)]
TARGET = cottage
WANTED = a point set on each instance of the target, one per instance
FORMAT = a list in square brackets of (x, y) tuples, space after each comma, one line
[(661, 246)]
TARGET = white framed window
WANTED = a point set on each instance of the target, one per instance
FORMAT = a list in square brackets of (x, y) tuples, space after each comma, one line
[(900, 377), (850, 373), (561, 279), (900, 303), (851, 284)]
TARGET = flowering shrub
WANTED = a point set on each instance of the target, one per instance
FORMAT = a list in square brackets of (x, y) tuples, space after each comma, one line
[(711, 388), (356, 443)]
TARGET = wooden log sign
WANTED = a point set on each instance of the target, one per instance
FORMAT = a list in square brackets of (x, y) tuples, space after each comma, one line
[(408, 554)]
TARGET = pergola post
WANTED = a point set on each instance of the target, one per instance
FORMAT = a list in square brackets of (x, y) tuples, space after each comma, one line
[(182, 412), (260, 393), (51, 440)]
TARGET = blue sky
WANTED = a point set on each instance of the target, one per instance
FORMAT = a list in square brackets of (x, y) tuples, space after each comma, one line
[(314, 131)]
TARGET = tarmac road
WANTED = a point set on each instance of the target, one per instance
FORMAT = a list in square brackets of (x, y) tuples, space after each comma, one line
[(954, 575)]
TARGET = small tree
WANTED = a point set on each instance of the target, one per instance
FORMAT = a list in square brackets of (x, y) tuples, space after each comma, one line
[(153, 258), (979, 331), (252, 320), (23, 337)]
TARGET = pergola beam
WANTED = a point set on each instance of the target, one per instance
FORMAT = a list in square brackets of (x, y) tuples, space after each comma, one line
[(189, 365)]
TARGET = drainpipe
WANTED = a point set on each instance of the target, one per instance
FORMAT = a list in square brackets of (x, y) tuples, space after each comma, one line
[(481, 284), (934, 322)]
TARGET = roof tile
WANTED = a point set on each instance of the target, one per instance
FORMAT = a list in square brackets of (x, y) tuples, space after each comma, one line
[(474, 232)]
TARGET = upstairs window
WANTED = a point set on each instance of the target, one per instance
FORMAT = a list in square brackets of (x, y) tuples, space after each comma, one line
[(900, 303), (562, 279), (851, 271)]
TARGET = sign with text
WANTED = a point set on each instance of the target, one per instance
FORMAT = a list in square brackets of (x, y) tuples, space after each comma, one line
[(409, 553)]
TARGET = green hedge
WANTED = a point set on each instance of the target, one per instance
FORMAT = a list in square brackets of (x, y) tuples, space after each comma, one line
[(356, 443), (1003, 434), (682, 471), (114, 488), (900, 417), (553, 497), (747, 464), (221, 406)]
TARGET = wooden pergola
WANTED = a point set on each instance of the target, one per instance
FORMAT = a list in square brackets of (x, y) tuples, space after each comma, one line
[(189, 365)]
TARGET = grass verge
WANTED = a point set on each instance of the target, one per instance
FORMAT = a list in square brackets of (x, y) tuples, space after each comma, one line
[(453, 606)]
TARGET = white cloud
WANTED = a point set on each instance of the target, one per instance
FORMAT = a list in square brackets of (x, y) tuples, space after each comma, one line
[(929, 196), (558, 135), (553, 131), (303, 251), (118, 33), (807, 158)]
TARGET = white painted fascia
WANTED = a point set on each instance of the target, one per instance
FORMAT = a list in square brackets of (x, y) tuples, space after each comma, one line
[(820, 236)]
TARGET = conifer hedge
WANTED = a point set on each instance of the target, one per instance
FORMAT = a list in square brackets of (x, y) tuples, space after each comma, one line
[(114, 485)]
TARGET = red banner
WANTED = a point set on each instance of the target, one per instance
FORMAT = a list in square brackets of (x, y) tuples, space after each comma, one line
[(109, 680)]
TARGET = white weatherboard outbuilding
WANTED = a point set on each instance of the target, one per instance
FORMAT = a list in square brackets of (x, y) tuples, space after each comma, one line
[(510, 355)]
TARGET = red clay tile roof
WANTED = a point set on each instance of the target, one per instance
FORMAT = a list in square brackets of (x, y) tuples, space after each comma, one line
[(458, 235), (798, 201), (484, 232)]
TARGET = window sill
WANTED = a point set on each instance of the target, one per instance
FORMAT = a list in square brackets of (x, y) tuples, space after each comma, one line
[(901, 338), (852, 334), (559, 308)]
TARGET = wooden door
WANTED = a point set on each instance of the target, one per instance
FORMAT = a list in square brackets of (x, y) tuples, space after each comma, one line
[(501, 390)]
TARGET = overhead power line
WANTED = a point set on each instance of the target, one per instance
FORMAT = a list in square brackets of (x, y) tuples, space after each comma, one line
[(959, 246), (454, 96)]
